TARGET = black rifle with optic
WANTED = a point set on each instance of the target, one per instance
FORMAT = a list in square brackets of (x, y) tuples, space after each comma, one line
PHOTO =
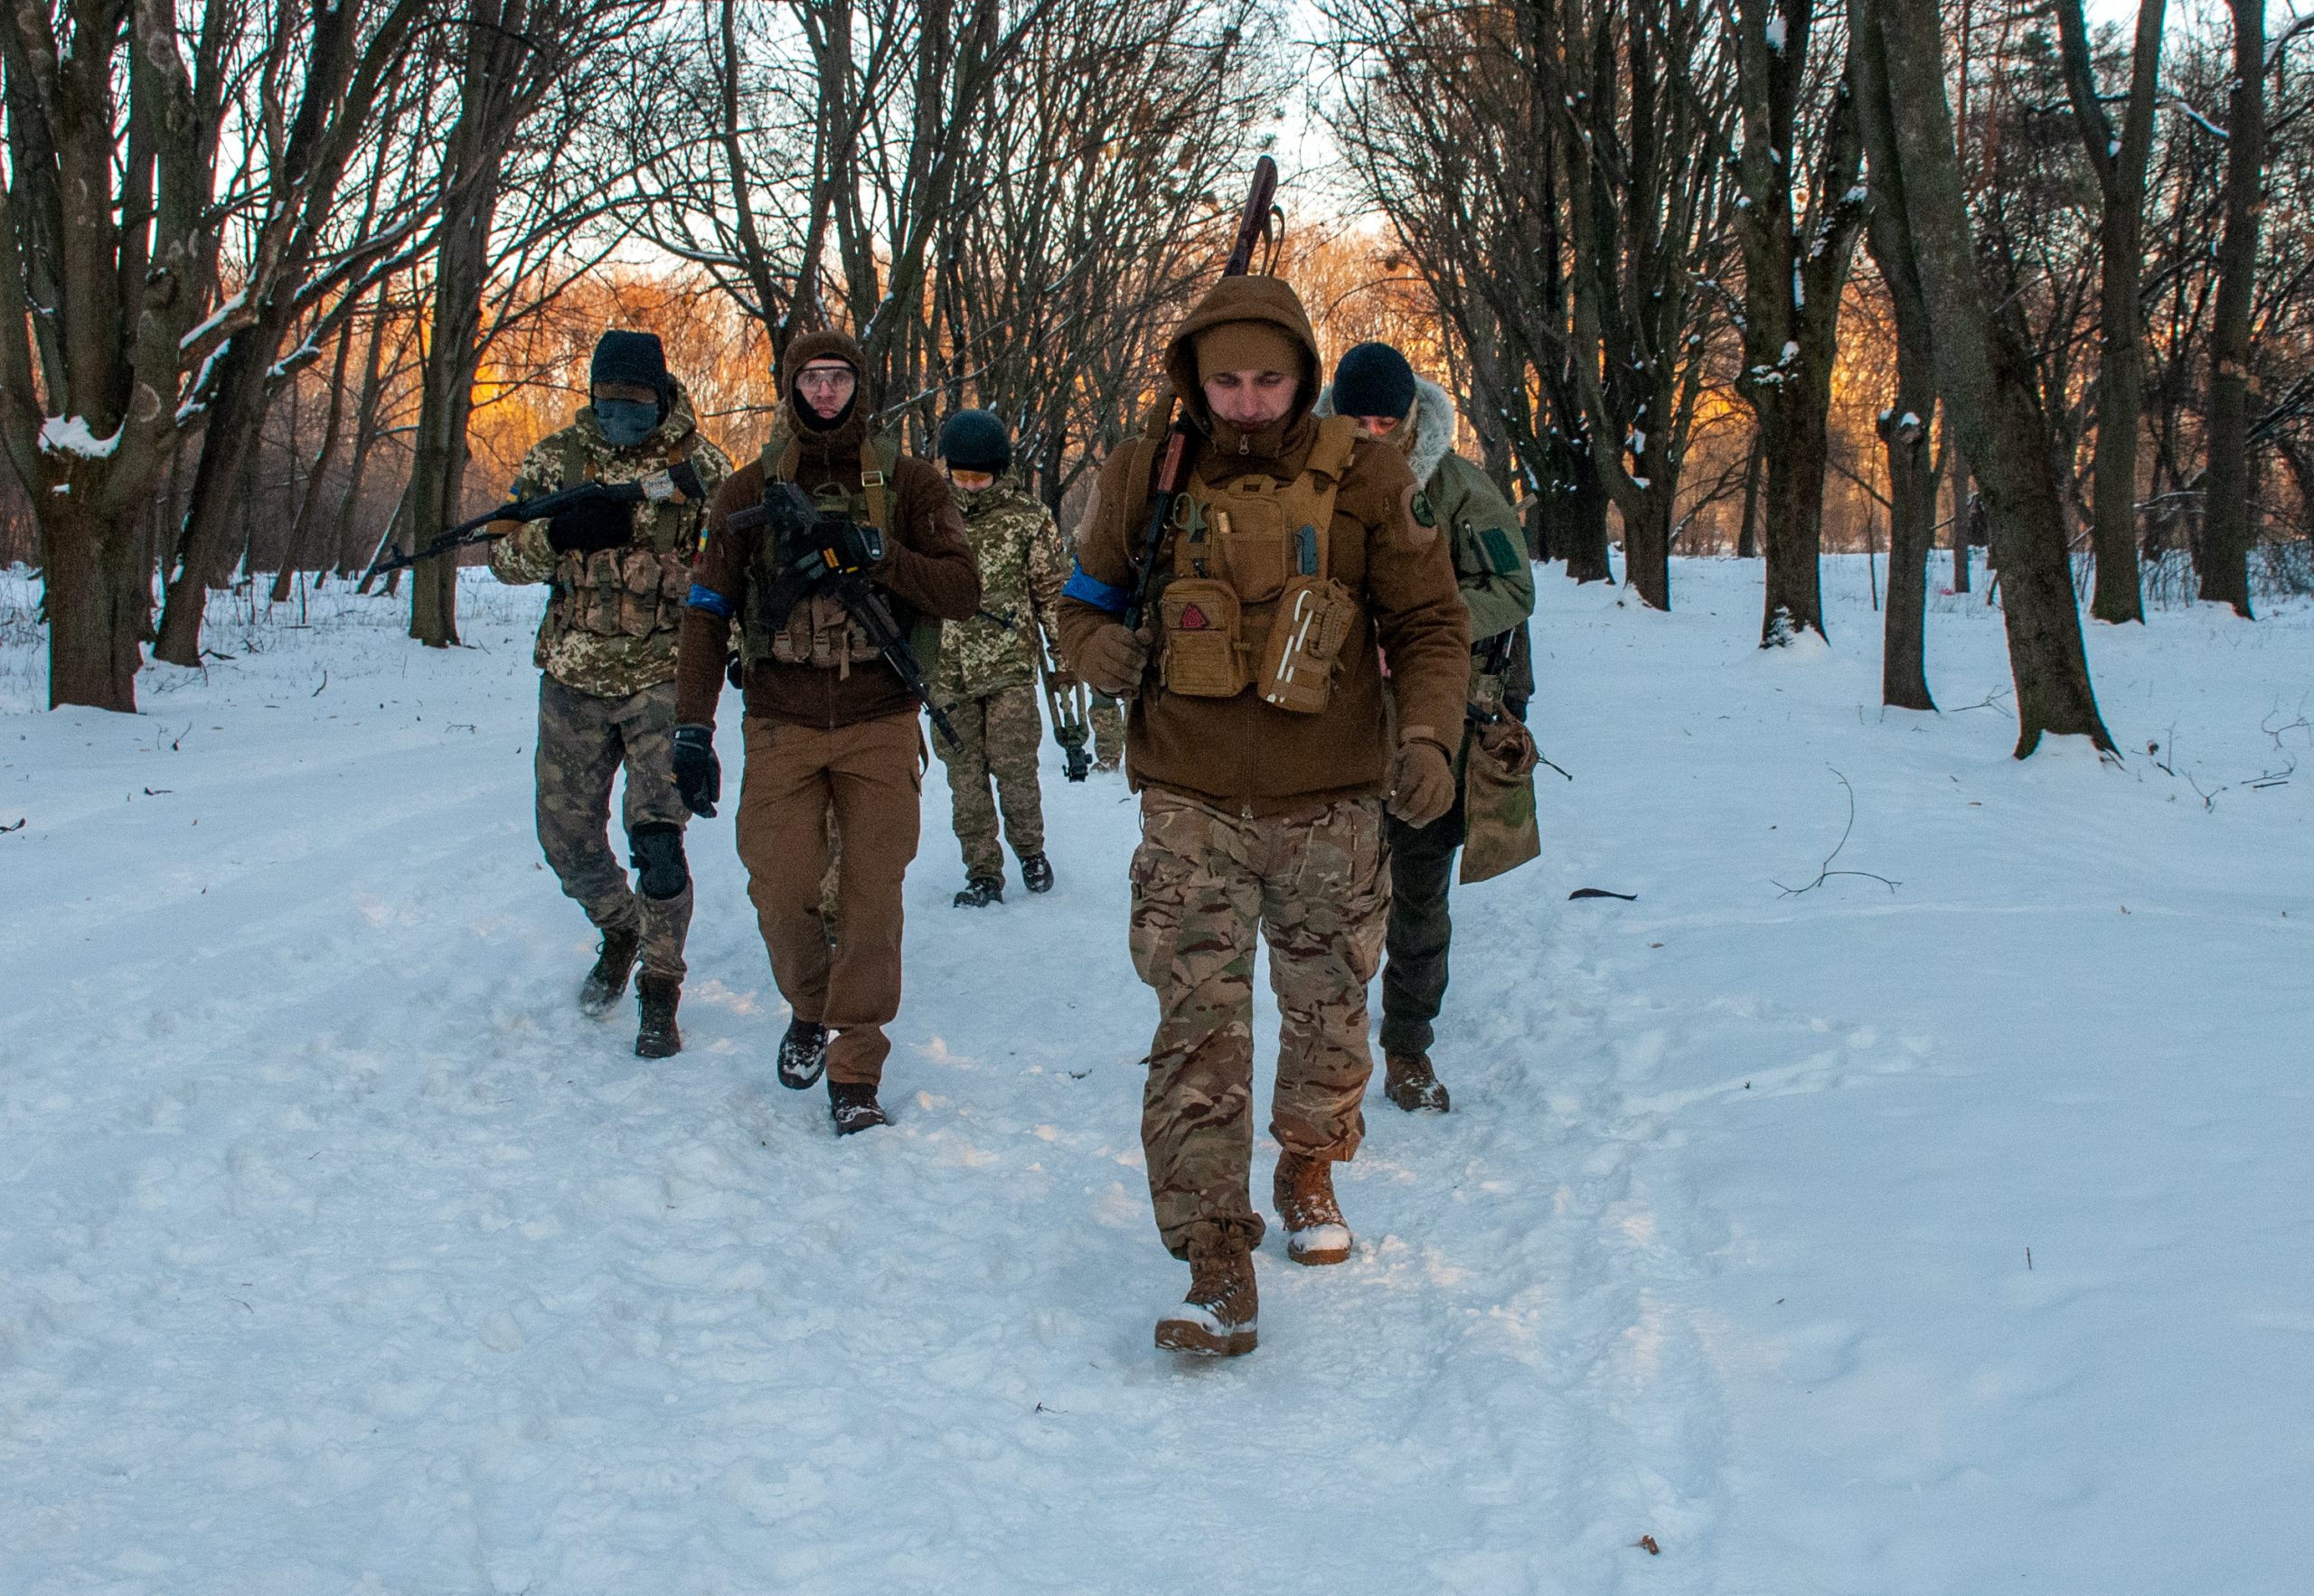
[(821, 553)]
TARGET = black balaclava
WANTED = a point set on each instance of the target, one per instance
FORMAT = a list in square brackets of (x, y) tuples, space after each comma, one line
[(637, 358)]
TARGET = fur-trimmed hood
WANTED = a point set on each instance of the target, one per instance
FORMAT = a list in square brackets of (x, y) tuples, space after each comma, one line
[(1434, 421)]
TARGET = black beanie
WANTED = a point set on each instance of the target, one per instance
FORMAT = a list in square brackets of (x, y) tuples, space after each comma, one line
[(632, 357), (977, 441), (1374, 379)]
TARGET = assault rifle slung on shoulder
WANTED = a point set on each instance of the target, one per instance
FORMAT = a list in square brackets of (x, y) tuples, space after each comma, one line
[(678, 484)]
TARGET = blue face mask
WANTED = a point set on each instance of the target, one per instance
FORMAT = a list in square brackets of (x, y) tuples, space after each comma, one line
[(624, 423)]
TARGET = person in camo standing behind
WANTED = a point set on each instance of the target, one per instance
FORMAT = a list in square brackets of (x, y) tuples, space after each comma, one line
[(1375, 386), (1290, 561), (620, 574), (988, 663), (831, 727)]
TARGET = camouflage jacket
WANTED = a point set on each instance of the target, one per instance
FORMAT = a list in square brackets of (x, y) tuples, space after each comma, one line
[(1022, 566), (612, 617)]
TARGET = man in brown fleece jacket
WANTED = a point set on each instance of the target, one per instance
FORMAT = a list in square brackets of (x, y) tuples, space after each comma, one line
[(1293, 563), (830, 728)]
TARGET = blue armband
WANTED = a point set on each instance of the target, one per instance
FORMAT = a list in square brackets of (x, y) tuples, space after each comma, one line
[(1092, 590), (706, 600)]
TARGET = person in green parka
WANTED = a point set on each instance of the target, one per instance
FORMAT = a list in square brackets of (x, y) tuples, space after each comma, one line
[(1374, 384)]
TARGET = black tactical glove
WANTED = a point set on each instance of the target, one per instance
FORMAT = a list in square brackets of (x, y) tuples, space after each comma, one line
[(841, 547), (589, 525), (699, 775)]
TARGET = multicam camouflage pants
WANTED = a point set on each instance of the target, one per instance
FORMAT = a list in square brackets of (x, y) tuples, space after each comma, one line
[(1421, 930), (1204, 885), (583, 739), (1107, 717), (1000, 734)]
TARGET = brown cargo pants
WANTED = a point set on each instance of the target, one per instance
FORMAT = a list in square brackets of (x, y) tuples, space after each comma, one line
[(869, 776), (583, 739), (1205, 884)]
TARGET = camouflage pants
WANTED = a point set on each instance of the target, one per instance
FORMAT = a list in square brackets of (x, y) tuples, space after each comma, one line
[(583, 739), (1205, 884), (1107, 717), (1000, 734), (1414, 979)]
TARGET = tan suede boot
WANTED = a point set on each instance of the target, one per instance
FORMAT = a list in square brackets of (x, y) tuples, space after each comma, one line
[(1216, 1318), (1408, 1081), (1304, 1191)]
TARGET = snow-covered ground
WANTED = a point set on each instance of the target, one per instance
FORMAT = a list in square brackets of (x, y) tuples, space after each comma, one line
[(1949, 1237)]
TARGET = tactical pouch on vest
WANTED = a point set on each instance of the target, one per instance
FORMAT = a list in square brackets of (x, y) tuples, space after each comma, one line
[(632, 591), (819, 630), (1313, 620), (1204, 657)]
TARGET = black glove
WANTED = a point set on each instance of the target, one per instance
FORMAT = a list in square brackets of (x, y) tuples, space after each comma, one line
[(699, 775), (589, 525), (839, 547)]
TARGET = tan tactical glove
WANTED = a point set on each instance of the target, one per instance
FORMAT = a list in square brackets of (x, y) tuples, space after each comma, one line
[(1113, 659), (1510, 745), (1422, 787)]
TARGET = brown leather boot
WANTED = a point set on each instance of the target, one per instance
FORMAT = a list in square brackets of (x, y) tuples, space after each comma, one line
[(1304, 1191), (1216, 1320), (1408, 1081)]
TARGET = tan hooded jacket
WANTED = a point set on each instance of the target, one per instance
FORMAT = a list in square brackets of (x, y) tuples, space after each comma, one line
[(1240, 754), (927, 567)]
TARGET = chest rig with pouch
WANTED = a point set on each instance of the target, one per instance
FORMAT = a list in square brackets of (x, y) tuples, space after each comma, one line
[(818, 630), (635, 589), (1251, 601)]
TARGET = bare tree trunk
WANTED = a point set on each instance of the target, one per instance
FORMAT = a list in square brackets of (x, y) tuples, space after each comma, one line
[(1989, 384), (1747, 546), (2119, 160), (96, 602), (2224, 544), (293, 556)]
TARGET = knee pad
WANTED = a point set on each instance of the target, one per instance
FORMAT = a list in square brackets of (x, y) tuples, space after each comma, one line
[(659, 856)]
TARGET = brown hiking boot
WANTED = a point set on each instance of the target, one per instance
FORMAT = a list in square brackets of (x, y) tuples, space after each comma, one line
[(1216, 1320), (1408, 1081), (1304, 1191)]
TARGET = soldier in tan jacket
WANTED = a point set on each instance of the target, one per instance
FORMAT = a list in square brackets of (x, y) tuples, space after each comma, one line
[(1256, 732)]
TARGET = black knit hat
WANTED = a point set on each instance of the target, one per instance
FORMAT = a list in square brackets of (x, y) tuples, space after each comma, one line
[(977, 440), (638, 358), (1374, 379)]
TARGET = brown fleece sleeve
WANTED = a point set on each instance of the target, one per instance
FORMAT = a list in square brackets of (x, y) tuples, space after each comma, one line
[(930, 563), (1103, 553), (1417, 607), (721, 569)]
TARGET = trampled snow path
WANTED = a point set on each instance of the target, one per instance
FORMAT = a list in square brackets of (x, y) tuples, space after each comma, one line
[(337, 1252)]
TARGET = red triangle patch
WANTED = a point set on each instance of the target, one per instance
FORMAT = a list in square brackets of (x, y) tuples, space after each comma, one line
[(1193, 619)]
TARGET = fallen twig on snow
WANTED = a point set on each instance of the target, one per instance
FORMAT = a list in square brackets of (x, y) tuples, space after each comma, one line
[(1826, 873)]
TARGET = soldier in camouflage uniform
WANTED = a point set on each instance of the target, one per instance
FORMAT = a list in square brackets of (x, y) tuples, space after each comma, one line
[(1260, 748), (988, 663), (1374, 384), (620, 575)]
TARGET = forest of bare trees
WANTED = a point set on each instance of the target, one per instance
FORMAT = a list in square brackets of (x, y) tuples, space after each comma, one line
[(2008, 293)]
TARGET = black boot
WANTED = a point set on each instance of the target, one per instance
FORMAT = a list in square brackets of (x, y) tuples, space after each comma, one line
[(657, 1037), (803, 1054), (608, 980), (980, 892), (1036, 872), (853, 1105)]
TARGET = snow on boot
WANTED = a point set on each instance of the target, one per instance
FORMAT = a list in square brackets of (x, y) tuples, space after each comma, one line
[(657, 1037), (803, 1054), (980, 892), (853, 1105), (1216, 1320), (1408, 1081), (1304, 1191), (1036, 872), (608, 980)]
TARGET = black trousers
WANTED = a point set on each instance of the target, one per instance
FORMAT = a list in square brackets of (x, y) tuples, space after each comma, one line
[(1413, 976)]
